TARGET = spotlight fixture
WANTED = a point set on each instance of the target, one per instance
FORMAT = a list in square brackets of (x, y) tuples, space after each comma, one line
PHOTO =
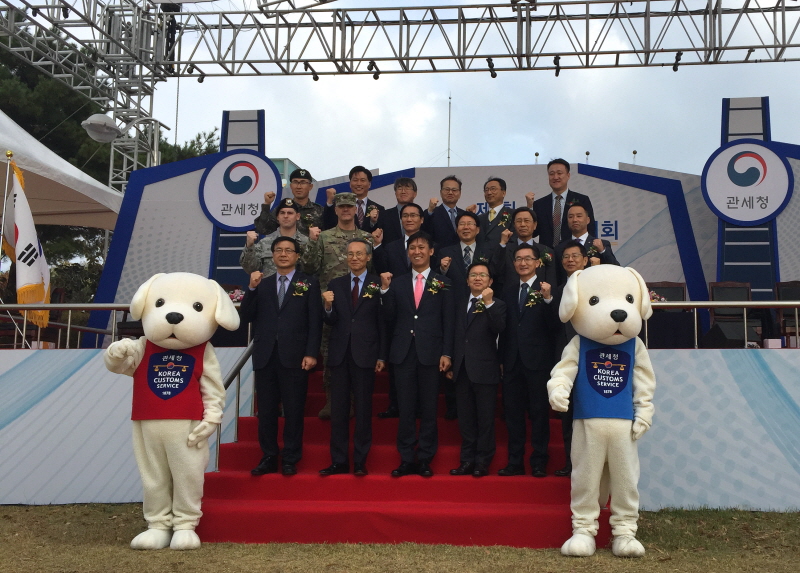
[(749, 53), (373, 66), (201, 78), (491, 67), (35, 12), (307, 67), (556, 62), (190, 69), (677, 61), (65, 12)]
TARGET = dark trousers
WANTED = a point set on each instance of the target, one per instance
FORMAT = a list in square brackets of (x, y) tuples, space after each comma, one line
[(525, 388), (392, 388), (347, 378), (450, 398), (416, 384), (476, 405), (276, 384)]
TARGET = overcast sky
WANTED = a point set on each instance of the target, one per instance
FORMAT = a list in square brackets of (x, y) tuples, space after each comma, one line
[(671, 118)]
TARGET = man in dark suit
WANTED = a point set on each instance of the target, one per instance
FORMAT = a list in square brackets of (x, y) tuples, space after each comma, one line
[(368, 212), (573, 258), (497, 217), (287, 311), (420, 305), (598, 250), (501, 262), (527, 359), (552, 208), (476, 369), (405, 191), (455, 259), (440, 221), (356, 351)]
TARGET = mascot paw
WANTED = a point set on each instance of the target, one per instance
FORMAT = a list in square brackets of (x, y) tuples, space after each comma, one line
[(638, 429), (559, 399), (184, 539), (627, 546), (152, 539), (201, 432), (579, 545)]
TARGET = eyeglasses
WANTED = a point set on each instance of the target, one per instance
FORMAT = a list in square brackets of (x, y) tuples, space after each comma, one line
[(451, 189), (573, 256), (525, 259), (284, 251), (479, 275), (357, 255), (467, 224), (491, 189), (409, 216)]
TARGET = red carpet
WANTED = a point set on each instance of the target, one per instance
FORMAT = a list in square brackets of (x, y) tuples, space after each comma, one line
[(520, 511)]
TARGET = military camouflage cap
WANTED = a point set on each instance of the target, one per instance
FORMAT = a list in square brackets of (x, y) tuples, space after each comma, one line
[(300, 174), (345, 199)]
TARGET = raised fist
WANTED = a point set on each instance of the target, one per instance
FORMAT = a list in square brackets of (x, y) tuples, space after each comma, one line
[(122, 348), (269, 197), (377, 237), (444, 264), (545, 289), (432, 204), (386, 280), (327, 297), (252, 237), (373, 215), (505, 236), (255, 278), (487, 295), (529, 198), (313, 233), (472, 208), (330, 192)]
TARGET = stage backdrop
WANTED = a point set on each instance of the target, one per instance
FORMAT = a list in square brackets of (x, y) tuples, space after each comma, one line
[(724, 434)]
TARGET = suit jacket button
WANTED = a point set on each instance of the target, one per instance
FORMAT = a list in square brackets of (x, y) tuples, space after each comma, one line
[(415, 317), (412, 332), (352, 320)]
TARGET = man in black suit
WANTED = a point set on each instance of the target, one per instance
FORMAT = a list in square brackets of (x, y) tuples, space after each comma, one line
[(551, 209), (440, 221), (405, 191), (527, 359), (455, 259), (287, 311), (368, 212), (420, 305), (497, 217), (476, 369), (598, 250), (573, 258), (393, 257), (356, 351), (501, 263)]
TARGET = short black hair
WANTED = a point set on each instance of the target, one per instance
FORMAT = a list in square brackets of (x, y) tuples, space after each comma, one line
[(423, 236), (403, 208), (405, 182), (574, 243), (360, 169), (500, 182), (519, 210), (450, 178), (559, 161), (533, 248), (283, 239), (479, 264), (577, 204), (471, 215)]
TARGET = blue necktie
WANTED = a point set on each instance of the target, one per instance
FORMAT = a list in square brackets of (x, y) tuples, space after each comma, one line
[(523, 296)]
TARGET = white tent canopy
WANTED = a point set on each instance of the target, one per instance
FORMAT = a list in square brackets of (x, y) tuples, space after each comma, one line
[(58, 192)]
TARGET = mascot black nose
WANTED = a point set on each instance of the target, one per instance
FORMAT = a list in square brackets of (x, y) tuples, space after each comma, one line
[(176, 317), (616, 315)]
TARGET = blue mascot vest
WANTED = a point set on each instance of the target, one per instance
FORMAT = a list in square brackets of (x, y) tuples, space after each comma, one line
[(604, 384)]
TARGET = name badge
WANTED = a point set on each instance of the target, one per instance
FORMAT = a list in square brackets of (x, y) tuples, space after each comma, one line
[(608, 370), (169, 373)]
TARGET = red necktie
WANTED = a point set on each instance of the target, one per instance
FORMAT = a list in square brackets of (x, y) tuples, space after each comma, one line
[(354, 294), (360, 213)]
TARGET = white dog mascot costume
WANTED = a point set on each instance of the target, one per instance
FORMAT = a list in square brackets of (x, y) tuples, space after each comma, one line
[(178, 399), (608, 371)]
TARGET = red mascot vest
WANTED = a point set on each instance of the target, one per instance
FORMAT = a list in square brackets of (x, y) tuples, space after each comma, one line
[(166, 384)]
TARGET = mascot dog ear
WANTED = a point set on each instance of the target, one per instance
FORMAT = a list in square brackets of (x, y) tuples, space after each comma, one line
[(646, 309), (138, 300), (225, 313), (569, 299)]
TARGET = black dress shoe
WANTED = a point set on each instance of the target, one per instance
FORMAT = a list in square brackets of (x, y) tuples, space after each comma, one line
[(480, 471), (511, 470), (335, 469), (538, 472), (389, 413), (424, 469), (360, 469), (404, 469), (289, 469), (267, 465), (566, 471), (463, 470)]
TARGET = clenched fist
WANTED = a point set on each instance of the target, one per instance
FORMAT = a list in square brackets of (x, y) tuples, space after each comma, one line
[(444, 264), (377, 237), (386, 280), (529, 198), (330, 193), (255, 278), (546, 290), (432, 204), (505, 236), (472, 208), (487, 295), (327, 298), (313, 233), (269, 197), (252, 237)]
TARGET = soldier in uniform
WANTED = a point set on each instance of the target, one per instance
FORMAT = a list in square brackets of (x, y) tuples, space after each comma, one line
[(326, 257), (301, 183), (257, 256)]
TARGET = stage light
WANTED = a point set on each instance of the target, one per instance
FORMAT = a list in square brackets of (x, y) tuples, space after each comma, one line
[(307, 67), (201, 78), (491, 67), (373, 66), (101, 128), (556, 62), (35, 12), (677, 60), (190, 69)]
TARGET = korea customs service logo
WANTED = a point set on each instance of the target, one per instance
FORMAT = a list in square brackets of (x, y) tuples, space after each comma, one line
[(747, 183), (232, 191)]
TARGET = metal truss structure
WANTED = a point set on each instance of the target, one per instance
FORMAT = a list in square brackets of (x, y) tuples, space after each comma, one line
[(115, 51)]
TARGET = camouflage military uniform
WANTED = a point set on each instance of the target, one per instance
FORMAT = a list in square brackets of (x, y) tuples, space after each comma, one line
[(258, 257), (310, 216), (327, 258)]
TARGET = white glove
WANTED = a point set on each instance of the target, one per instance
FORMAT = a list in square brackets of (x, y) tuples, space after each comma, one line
[(559, 399), (639, 428), (201, 433), (121, 355)]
